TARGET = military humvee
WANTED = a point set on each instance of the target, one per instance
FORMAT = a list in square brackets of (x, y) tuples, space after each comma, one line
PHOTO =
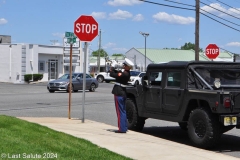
[(203, 97)]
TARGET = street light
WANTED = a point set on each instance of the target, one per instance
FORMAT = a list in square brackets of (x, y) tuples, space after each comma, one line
[(145, 35)]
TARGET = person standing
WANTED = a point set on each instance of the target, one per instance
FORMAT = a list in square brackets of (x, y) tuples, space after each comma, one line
[(119, 91)]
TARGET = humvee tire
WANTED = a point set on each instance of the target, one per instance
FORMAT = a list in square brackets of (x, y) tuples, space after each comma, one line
[(204, 129), (135, 122)]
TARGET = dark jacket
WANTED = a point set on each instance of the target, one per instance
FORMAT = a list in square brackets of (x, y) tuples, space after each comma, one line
[(122, 78)]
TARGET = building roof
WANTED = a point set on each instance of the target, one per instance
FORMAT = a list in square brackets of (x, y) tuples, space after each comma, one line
[(166, 55)]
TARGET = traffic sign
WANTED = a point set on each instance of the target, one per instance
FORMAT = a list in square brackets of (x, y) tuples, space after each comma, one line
[(212, 51), (86, 28)]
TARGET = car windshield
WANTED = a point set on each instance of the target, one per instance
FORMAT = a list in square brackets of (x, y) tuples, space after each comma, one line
[(134, 73), (67, 76), (227, 77)]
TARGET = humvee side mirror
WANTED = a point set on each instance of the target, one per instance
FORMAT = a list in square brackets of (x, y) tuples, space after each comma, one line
[(144, 80)]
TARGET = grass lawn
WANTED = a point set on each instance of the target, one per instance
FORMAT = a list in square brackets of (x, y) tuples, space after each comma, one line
[(20, 139)]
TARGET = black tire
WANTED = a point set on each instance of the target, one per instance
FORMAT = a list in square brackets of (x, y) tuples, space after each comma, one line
[(107, 81), (136, 83), (92, 87), (183, 125), (100, 79), (135, 122), (204, 129), (51, 91)]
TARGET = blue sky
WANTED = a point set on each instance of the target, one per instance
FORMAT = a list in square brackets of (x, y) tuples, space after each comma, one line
[(42, 21)]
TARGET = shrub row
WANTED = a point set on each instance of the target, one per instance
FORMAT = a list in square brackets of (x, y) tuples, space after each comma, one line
[(35, 77)]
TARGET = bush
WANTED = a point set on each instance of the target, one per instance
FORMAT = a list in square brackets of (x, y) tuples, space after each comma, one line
[(36, 77)]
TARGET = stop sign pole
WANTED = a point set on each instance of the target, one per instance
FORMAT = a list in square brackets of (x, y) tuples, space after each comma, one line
[(86, 29), (212, 51)]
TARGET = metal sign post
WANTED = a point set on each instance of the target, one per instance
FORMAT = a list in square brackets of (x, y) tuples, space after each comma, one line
[(86, 29), (71, 38), (84, 78)]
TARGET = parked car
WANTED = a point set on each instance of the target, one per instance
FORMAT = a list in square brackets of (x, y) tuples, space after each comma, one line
[(105, 76), (136, 78), (62, 83)]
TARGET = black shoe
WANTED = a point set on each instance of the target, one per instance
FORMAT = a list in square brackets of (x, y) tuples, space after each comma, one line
[(119, 132)]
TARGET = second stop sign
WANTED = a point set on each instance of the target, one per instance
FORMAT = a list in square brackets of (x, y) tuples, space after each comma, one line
[(212, 51)]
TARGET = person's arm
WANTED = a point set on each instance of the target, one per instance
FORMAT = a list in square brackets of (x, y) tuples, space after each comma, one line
[(113, 73)]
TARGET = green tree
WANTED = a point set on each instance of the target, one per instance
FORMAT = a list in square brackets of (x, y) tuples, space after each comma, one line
[(103, 53), (189, 45), (118, 54)]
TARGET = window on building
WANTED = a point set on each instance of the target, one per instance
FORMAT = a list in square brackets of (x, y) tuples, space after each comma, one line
[(67, 68), (41, 66)]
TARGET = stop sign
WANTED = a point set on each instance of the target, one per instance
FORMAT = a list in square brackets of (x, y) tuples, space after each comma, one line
[(212, 51), (86, 28)]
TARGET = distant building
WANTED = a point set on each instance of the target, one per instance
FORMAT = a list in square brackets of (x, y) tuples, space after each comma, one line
[(51, 61), (5, 39), (137, 56)]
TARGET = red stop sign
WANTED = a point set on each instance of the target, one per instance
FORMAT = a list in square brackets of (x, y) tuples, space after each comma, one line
[(212, 51), (86, 28)]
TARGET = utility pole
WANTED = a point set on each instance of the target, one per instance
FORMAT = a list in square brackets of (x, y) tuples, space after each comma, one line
[(197, 32), (98, 62)]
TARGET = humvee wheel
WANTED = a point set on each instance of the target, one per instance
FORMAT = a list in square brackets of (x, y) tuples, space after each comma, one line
[(135, 122), (204, 129)]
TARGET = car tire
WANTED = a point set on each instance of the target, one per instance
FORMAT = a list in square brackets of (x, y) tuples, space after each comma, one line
[(100, 79), (135, 122), (107, 81), (51, 91), (204, 129), (136, 82), (183, 125), (92, 87)]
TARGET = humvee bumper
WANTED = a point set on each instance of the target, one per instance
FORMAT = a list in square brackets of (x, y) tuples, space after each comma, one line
[(228, 120)]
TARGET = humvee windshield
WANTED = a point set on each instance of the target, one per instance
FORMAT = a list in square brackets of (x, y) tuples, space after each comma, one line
[(227, 77)]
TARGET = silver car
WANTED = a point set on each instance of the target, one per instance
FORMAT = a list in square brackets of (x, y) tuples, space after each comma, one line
[(62, 83)]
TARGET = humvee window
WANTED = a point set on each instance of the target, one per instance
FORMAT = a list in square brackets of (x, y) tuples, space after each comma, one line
[(155, 78), (174, 79)]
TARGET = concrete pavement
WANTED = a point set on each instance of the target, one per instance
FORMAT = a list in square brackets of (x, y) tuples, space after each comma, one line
[(132, 144)]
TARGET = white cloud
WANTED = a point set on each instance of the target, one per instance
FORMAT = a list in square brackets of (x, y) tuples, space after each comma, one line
[(99, 15), (123, 2), (212, 6), (120, 15), (60, 35), (3, 21), (235, 44), (175, 19), (138, 17)]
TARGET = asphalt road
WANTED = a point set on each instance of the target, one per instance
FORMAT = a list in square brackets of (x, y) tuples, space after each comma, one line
[(33, 100)]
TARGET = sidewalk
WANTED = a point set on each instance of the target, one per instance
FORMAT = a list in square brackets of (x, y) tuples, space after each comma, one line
[(132, 144)]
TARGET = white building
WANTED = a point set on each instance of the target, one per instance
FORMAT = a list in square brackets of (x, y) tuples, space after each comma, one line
[(51, 61)]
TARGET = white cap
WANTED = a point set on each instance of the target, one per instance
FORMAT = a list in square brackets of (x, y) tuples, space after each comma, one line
[(128, 63)]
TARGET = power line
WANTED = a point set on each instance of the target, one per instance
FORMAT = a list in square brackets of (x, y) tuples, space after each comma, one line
[(220, 10), (228, 5), (201, 13), (220, 22), (180, 3), (220, 17), (166, 5)]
